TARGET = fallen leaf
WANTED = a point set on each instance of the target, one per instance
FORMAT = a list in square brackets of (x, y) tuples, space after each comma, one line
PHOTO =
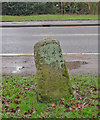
[(17, 97), (83, 106), (94, 89), (19, 92), (53, 105), (67, 106), (29, 115), (45, 115), (31, 111), (73, 107), (16, 102), (98, 106), (19, 110), (80, 98), (34, 109), (61, 102), (67, 110), (23, 115), (98, 114)]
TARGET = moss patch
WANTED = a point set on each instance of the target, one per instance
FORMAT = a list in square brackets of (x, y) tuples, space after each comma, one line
[(52, 75), (52, 83)]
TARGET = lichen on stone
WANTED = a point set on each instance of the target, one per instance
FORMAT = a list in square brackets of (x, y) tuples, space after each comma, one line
[(53, 82), (51, 53)]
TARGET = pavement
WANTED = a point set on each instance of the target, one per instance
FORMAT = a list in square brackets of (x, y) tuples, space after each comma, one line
[(51, 23), (25, 65)]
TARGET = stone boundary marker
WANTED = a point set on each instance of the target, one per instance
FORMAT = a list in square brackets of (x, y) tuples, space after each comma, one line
[(53, 81)]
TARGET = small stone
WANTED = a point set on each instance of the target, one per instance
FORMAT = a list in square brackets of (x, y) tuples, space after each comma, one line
[(53, 81)]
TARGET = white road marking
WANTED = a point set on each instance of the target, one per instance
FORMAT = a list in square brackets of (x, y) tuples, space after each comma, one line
[(66, 35)]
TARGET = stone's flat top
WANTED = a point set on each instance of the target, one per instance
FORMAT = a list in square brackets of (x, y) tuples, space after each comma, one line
[(46, 41), (63, 22)]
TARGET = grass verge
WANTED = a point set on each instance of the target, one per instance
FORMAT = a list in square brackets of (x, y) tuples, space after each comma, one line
[(19, 99), (49, 17)]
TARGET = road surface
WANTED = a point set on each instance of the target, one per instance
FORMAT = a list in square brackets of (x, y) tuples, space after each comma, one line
[(82, 39), (72, 40)]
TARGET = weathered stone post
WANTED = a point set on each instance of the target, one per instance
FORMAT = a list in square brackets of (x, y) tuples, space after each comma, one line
[(53, 81)]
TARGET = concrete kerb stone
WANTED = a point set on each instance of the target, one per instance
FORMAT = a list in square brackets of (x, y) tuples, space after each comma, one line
[(53, 82), (50, 23)]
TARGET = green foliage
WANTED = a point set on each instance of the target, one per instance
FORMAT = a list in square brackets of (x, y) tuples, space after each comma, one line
[(32, 8), (19, 99), (50, 8), (21, 8), (83, 8)]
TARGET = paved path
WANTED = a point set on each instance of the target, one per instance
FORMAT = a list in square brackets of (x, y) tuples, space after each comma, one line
[(77, 64), (50, 23)]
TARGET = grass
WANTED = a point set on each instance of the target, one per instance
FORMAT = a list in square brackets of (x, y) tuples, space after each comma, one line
[(19, 99), (49, 17)]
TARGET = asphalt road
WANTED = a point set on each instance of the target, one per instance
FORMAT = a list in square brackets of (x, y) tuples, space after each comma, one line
[(72, 39)]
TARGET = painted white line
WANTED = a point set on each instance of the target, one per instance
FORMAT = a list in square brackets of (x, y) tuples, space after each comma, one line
[(64, 34), (29, 54)]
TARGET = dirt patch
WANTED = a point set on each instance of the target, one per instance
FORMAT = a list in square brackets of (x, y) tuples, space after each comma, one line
[(75, 64)]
